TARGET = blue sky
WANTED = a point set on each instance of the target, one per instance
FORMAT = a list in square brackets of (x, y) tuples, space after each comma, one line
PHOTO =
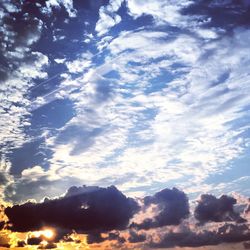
[(140, 94), (143, 95)]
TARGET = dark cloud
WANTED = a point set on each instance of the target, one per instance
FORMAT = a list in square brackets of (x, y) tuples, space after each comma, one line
[(246, 245), (37, 242), (214, 209), (228, 233), (2, 224), (103, 212), (3, 179), (21, 243), (2, 217), (95, 238), (34, 240), (116, 236), (84, 209), (172, 205), (248, 208), (49, 245), (135, 237), (226, 14), (5, 245)]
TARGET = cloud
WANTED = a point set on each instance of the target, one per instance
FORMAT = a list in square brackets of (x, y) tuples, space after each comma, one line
[(67, 4), (83, 209), (49, 245), (106, 22), (248, 209), (210, 208), (21, 66), (109, 218), (223, 14), (135, 237), (94, 238), (21, 243), (152, 92), (107, 17), (34, 241), (161, 11), (41, 241), (159, 93), (171, 208), (246, 245), (227, 233)]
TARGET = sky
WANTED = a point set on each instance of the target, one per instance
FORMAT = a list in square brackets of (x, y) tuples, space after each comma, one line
[(124, 124)]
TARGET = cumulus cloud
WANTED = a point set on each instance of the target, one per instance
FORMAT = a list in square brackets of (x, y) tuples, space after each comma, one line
[(98, 238), (135, 237), (107, 216), (171, 207), (106, 22), (82, 209), (107, 17), (34, 241), (49, 245), (210, 208), (227, 233)]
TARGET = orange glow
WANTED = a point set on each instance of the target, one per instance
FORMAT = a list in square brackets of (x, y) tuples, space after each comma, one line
[(46, 233)]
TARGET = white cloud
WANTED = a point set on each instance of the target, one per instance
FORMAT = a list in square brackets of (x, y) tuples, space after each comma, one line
[(68, 5), (170, 110), (33, 174), (14, 107), (162, 11), (107, 17), (60, 60), (80, 64), (15, 102), (154, 135), (106, 22)]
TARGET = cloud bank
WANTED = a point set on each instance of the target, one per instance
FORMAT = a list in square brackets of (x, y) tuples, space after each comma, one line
[(107, 215)]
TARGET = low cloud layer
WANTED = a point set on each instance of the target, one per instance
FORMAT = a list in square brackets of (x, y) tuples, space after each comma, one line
[(82, 209), (210, 208), (171, 207), (162, 220), (227, 233)]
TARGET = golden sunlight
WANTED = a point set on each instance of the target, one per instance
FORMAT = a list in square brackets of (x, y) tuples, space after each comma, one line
[(47, 233)]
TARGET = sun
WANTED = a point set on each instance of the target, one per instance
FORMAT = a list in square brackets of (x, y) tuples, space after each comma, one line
[(47, 233)]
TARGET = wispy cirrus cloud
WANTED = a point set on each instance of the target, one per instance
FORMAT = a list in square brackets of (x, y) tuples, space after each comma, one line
[(149, 98)]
